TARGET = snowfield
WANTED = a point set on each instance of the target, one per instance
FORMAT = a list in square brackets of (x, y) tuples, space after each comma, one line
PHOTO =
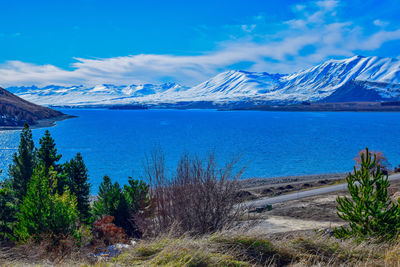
[(353, 79)]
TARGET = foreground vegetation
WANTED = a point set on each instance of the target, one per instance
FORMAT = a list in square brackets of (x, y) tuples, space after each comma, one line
[(231, 249), (189, 218), (223, 249)]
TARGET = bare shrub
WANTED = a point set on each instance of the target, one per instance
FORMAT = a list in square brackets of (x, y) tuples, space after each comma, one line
[(199, 198), (380, 158)]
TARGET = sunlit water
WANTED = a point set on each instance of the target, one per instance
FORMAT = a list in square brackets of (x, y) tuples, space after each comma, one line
[(114, 142)]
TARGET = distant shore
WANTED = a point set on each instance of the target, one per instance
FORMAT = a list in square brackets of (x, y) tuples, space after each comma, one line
[(389, 106), (385, 106), (40, 123)]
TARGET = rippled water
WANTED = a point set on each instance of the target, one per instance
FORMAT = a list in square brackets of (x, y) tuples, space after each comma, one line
[(114, 142)]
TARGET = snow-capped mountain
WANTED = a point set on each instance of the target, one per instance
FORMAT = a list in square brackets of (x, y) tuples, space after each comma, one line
[(104, 94), (353, 79)]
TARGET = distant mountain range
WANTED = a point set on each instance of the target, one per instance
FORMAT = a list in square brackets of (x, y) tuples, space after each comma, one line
[(15, 112), (354, 79)]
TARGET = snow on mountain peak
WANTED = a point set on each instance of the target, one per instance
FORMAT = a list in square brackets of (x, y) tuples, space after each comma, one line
[(357, 78)]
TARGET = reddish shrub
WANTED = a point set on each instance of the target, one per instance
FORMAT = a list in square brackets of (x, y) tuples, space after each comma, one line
[(106, 231)]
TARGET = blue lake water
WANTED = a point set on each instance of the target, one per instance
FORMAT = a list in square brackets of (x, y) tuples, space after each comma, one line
[(114, 142)]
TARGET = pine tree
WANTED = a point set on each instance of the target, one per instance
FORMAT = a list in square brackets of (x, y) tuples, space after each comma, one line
[(43, 212), (77, 180), (108, 198), (21, 169), (369, 211), (47, 153), (137, 195), (35, 207), (111, 201), (123, 205), (8, 210), (122, 215)]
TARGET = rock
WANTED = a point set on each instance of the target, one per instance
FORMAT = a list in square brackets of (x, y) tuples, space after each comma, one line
[(244, 195), (267, 191), (113, 251)]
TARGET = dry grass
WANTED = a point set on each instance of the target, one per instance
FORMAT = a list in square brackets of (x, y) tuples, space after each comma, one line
[(242, 250), (225, 249)]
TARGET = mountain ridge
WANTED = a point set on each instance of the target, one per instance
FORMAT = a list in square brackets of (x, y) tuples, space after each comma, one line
[(356, 78)]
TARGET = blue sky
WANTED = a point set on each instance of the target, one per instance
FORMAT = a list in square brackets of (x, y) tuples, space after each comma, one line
[(125, 42)]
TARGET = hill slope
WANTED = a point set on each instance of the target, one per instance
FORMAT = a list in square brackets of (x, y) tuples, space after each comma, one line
[(15, 111)]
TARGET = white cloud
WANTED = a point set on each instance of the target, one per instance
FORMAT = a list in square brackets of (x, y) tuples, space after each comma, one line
[(248, 28), (315, 26), (380, 23), (328, 5)]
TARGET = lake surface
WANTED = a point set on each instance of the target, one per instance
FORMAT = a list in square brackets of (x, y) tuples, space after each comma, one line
[(114, 142)]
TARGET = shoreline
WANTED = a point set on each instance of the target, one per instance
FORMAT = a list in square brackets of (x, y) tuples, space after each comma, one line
[(256, 188), (259, 181), (44, 123), (349, 106)]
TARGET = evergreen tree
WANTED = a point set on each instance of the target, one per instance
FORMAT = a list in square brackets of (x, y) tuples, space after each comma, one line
[(124, 205), (8, 210), (122, 215), (35, 207), (108, 198), (77, 180), (137, 195), (111, 201), (369, 211), (47, 153), (42, 212), (21, 169)]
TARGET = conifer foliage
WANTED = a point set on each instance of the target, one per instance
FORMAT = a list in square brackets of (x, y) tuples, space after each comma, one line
[(40, 196), (122, 204), (77, 179), (21, 169), (47, 153), (369, 211), (8, 210), (44, 213)]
